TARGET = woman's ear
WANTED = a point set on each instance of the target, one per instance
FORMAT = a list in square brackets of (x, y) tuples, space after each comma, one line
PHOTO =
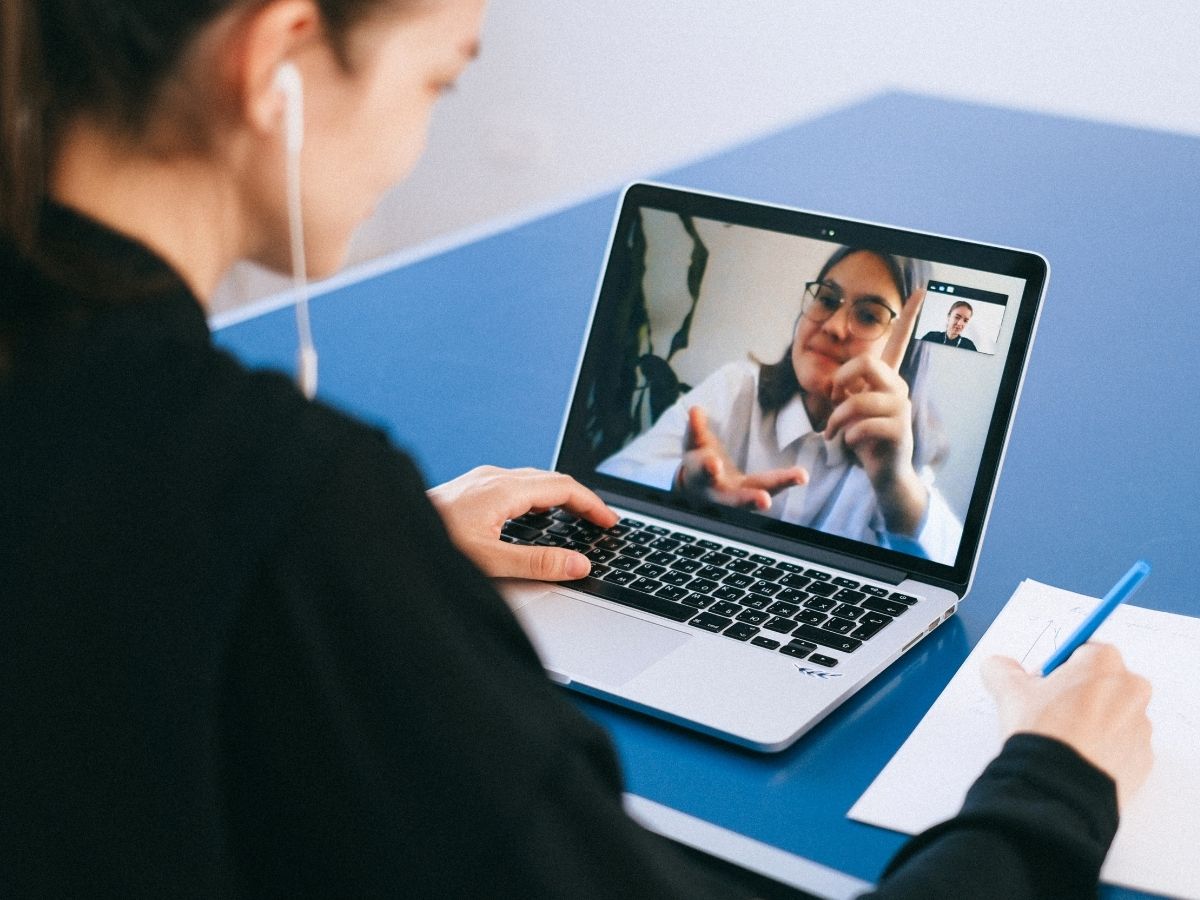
[(271, 35)]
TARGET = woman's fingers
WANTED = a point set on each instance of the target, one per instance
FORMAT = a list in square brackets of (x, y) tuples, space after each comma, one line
[(475, 506), (501, 560), (870, 405), (775, 480), (902, 329)]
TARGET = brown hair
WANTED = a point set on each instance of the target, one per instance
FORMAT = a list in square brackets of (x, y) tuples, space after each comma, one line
[(109, 59)]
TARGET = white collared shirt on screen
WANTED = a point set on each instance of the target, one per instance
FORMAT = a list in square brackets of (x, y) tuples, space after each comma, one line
[(838, 498)]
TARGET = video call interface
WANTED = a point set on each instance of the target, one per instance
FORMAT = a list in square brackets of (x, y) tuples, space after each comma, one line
[(739, 347)]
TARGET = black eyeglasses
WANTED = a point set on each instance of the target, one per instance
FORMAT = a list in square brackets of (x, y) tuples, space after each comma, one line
[(868, 319)]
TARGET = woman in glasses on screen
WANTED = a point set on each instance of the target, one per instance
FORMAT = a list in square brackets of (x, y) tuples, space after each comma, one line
[(831, 436)]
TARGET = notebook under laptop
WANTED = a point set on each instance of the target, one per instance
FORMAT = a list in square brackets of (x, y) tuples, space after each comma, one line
[(751, 615)]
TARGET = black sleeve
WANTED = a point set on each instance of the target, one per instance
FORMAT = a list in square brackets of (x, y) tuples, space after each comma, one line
[(1037, 823), (388, 730)]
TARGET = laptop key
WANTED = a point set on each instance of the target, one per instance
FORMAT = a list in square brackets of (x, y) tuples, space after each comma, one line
[(632, 523), (887, 607), (870, 625), (703, 586), (520, 532), (660, 558), (780, 625), (744, 566), (685, 565), (811, 617), (790, 567), (737, 580), (817, 574), (658, 530), (713, 573), (902, 598), (769, 573), (699, 601), (827, 638), (766, 642), (753, 616), (763, 560), (839, 626), (822, 588), (649, 570), (740, 631), (845, 582), (725, 608), (875, 591), (639, 537), (715, 559), (665, 543), (708, 545), (736, 551), (820, 604), (600, 556), (780, 608), (635, 551), (795, 650), (846, 611), (617, 593), (821, 660), (848, 596), (691, 551), (728, 593), (681, 537), (709, 622), (671, 592), (765, 588), (541, 520), (624, 563), (794, 581), (791, 595), (676, 578), (648, 585), (616, 576)]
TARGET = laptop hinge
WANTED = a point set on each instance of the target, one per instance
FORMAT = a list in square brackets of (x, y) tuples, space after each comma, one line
[(843, 561)]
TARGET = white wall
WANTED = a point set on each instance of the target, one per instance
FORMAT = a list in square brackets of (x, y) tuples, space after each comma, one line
[(571, 97)]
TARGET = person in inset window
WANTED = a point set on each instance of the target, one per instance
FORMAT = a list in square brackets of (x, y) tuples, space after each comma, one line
[(956, 321)]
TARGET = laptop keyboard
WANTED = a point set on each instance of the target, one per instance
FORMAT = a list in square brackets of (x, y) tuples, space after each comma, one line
[(776, 605)]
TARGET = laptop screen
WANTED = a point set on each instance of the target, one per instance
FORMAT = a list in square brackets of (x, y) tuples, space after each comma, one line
[(843, 384)]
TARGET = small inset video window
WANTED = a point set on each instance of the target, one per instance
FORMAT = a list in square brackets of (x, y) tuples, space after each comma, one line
[(963, 317)]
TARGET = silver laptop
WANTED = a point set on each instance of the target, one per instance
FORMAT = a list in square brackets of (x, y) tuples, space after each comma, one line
[(801, 419)]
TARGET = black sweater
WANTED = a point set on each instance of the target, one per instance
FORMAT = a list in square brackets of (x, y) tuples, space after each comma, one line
[(240, 656)]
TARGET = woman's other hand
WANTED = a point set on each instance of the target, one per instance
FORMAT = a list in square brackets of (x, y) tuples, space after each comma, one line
[(707, 471), (1091, 703), (476, 505)]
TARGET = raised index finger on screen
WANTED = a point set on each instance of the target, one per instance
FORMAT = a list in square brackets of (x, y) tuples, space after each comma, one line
[(902, 329)]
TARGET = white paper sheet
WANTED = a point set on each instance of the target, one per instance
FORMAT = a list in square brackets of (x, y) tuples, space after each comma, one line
[(1157, 848)]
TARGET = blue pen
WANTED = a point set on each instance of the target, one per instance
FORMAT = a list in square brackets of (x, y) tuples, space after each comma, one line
[(1120, 592)]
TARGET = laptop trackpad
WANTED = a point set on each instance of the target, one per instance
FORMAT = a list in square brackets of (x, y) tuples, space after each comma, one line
[(594, 645)]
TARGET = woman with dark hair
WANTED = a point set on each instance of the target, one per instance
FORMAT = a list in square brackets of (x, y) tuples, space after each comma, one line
[(830, 436), (242, 652)]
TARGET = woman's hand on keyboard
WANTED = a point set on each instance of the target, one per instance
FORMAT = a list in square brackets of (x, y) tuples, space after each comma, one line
[(476, 505)]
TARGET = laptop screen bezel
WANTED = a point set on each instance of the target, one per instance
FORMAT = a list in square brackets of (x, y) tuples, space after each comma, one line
[(1023, 264)]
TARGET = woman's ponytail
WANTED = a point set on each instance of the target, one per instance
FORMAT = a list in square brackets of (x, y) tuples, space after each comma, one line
[(22, 158)]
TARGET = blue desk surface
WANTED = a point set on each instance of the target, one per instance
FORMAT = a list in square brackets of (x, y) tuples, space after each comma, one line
[(467, 357)]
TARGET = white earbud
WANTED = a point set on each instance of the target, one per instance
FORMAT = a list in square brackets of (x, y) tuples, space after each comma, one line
[(288, 80), (289, 83)]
